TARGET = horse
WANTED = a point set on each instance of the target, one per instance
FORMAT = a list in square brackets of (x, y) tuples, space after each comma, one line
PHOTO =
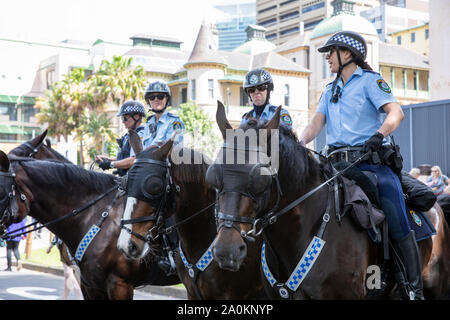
[(160, 189), (37, 149), (83, 208), (307, 254)]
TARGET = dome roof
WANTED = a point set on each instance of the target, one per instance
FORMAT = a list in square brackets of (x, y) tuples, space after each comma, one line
[(341, 22), (255, 46)]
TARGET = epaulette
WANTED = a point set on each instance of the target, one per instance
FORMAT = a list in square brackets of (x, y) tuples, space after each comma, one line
[(272, 108), (172, 115), (371, 71), (149, 117)]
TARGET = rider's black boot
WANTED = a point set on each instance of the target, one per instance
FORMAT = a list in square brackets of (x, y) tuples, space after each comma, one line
[(408, 252)]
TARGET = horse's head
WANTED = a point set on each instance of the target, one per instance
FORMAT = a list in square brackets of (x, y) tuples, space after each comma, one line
[(246, 182), (39, 149), (13, 205), (147, 184)]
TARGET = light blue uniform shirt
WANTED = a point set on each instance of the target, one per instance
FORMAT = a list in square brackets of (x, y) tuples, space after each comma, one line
[(267, 114), (162, 131), (357, 115)]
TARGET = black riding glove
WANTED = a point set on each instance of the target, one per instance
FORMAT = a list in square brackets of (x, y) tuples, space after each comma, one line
[(374, 143), (105, 164)]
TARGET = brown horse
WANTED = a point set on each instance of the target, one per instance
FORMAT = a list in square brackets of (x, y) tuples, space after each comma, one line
[(75, 201), (161, 189), (308, 254)]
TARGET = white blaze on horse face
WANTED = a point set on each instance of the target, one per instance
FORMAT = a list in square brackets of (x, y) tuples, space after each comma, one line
[(125, 237)]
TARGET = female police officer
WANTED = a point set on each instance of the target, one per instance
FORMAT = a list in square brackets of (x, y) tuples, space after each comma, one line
[(161, 125), (258, 84), (351, 107), (131, 113)]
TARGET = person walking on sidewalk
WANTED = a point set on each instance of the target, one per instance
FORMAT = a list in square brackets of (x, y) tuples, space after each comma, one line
[(12, 245)]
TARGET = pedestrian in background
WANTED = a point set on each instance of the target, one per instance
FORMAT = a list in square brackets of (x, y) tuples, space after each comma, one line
[(12, 245)]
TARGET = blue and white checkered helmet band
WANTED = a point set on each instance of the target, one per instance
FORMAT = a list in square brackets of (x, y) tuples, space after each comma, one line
[(132, 109), (349, 41)]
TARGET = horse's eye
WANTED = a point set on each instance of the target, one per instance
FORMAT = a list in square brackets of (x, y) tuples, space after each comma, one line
[(153, 185), (259, 180)]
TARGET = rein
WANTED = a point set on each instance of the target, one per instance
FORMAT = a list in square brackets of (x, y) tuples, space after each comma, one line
[(73, 213)]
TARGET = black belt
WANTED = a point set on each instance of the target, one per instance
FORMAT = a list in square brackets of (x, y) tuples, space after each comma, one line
[(349, 154)]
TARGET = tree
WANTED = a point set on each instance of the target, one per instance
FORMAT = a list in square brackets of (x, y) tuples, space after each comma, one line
[(98, 129), (199, 133)]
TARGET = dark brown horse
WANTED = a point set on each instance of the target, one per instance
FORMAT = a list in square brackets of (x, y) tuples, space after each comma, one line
[(160, 188), (37, 149), (308, 254), (54, 190)]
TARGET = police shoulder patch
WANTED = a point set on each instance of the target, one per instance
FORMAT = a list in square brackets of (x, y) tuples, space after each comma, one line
[(286, 118), (177, 125), (383, 86)]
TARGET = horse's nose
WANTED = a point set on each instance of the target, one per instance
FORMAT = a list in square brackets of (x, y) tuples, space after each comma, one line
[(230, 259), (133, 249)]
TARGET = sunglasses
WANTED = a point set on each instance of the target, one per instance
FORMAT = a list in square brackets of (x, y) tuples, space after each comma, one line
[(125, 118), (330, 53), (160, 96), (260, 88)]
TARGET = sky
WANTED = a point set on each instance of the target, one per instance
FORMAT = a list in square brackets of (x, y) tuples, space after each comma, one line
[(109, 20)]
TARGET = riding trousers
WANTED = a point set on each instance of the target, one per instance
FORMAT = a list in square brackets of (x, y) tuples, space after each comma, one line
[(391, 199)]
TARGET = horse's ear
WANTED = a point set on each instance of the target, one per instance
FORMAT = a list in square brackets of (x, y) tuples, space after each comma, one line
[(274, 123), (162, 152), (135, 141), (48, 142), (38, 139), (221, 119), (4, 162)]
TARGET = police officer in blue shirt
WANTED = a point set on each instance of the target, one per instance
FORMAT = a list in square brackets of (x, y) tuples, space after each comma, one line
[(258, 84), (131, 113), (162, 124), (351, 107)]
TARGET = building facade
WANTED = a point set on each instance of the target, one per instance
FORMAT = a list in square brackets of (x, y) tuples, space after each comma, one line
[(416, 38), (231, 28), (284, 19)]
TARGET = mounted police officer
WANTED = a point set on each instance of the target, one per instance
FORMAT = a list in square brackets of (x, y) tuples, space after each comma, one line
[(258, 85), (162, 124), (351, 107), (131, 113)]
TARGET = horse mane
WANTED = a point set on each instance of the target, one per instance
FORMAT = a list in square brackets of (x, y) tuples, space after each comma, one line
[(67, 176), (192, 172), (296, 163)]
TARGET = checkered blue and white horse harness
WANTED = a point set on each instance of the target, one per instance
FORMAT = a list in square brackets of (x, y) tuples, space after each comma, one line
[(301, 270), (84, 243), (201, 264), (350, 41)]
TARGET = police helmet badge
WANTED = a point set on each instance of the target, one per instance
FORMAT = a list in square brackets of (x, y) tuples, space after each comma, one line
[(157, 87), (253, 79), (383, 86)]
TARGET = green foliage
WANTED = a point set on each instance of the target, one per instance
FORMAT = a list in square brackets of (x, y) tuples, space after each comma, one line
[(76, 104), (199, 133)]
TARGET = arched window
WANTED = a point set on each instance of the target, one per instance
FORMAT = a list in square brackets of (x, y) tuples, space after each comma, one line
[(286, 95)]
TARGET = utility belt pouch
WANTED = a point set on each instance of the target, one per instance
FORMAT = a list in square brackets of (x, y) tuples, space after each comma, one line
[(391, 156)]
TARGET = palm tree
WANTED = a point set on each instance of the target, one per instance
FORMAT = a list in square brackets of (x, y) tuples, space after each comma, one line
[(98, 128)]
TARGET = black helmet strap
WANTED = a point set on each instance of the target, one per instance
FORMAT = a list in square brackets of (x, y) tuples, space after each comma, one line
[(335, 94)]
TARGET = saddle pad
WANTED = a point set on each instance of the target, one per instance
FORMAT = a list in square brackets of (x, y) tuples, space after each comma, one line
[(419, 222)]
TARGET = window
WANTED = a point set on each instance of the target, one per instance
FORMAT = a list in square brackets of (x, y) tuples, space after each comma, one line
[(427, 33), (286, 95), (50, 78), (324, 67), (399, 40), (294, 59), (413, 37), (9, 109), (28, 112), (416, 75), (193, 89), (183, 95), (211, 88)]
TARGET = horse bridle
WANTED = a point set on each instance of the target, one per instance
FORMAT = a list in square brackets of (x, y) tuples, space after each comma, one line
[(34, 149), (229, 220), (157, 217)]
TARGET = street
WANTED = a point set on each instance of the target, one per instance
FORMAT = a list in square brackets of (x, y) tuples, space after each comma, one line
[(32, 285)]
